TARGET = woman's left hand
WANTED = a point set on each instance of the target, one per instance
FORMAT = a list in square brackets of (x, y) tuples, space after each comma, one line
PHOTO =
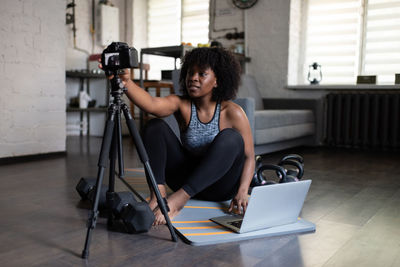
[(239, 203)]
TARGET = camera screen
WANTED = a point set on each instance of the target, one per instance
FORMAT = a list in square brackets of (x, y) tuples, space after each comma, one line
[(111, 59)]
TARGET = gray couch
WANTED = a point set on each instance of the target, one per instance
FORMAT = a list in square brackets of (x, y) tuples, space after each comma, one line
[(279, 124)]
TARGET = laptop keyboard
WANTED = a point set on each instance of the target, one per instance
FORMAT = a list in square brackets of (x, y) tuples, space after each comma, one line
[(237, 223)]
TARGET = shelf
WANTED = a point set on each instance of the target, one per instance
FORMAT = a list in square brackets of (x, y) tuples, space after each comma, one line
[(95, 109), (242, 58), (355, 87), (84, 74), (84, 77), (177, 51)]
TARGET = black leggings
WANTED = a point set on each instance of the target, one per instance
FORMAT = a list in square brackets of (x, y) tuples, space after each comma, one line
[(214, 176)]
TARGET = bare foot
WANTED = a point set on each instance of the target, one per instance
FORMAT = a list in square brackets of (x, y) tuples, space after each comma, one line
[(153, 199), (176, 202)]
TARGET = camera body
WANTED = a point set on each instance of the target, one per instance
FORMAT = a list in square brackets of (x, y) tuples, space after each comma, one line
[(118, 56)]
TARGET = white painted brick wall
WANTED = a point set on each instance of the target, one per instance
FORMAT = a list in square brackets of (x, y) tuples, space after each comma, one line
[(294, 42), (267, 29), (227, 17), (32, 76), (134, 35)]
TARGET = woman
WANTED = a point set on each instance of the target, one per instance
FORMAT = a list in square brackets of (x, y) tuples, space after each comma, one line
[(214, 160)]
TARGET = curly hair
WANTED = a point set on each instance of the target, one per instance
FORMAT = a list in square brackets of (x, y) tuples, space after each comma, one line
[(224, 65)]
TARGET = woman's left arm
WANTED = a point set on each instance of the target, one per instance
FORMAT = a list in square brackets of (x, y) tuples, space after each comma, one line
[(239, 121)]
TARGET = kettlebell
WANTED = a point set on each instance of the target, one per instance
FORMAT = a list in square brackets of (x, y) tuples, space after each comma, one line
[(300, 166), (295, 157), (256, 181), (279, 170), (292, 175)]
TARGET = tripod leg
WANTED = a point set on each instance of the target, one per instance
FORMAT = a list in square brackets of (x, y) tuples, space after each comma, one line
[(102, 164), (145, 160), (119, 143), (111, 180)]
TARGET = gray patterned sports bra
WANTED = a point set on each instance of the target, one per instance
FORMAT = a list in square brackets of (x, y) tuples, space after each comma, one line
[(198, 136)]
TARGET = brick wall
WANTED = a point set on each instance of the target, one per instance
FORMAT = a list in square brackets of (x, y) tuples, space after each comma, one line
[(32, 77)]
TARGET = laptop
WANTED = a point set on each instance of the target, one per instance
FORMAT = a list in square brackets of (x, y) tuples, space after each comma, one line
[(269, 205)]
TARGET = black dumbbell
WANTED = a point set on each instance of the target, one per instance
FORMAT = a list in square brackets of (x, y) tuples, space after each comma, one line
[(280, 171), (292, 174), (136, 216), (120, 201), (86, 188)]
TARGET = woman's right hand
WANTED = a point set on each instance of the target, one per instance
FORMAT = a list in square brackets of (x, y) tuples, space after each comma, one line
[(124, 75)]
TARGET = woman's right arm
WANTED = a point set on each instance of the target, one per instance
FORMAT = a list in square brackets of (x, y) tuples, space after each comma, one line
[(158, 106)]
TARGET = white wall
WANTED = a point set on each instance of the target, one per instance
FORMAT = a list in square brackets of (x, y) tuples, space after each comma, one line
[(267, 42), (225, 18), (76, 58), (273, 43), (32, 77), (132, 30)]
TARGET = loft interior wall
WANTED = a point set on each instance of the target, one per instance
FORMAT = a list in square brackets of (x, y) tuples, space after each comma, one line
[(269, 26), (272, 31), (77, 58), (32, 75), (132, 16), (267, 36)]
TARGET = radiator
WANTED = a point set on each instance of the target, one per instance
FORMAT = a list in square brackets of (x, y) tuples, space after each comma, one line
[(363, 120)]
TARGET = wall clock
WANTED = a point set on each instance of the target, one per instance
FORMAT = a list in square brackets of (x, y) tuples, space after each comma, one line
[(244, 4)]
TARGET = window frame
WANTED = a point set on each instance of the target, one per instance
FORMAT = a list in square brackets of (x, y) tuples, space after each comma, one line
[(158, 63), (360, 53)]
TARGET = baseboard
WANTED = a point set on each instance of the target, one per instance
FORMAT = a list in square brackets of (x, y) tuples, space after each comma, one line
[(27, 158)]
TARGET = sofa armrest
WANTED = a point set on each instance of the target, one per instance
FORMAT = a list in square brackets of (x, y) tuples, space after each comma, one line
[(316, 105), (248, 105)]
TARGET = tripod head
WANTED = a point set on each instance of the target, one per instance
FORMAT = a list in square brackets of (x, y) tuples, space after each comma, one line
[(117, 87)]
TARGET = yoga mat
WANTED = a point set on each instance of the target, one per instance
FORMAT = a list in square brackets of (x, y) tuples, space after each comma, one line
[(195, 228)]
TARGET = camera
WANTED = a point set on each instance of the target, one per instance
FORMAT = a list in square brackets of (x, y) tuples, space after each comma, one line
[(119, 56)]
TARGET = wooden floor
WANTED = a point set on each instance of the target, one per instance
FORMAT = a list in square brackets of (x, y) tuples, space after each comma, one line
[(354, 201)]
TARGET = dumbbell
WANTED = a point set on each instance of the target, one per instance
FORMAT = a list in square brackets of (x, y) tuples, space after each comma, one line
[(120, 201), (136, 216), (279, 170), (86, 188), (292, 175)]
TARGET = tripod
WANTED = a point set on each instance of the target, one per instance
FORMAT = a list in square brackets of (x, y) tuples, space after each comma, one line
[(111, 145)]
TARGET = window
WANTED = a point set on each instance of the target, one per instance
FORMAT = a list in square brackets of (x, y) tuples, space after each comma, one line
[(195, 20), (353, 37), (171, 22)]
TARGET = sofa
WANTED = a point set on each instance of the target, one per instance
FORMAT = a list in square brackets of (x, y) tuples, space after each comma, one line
[(279, 123)]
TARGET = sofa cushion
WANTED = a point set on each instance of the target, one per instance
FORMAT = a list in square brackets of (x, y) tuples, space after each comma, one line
[(248, 88), (283, 133), (273, 118)]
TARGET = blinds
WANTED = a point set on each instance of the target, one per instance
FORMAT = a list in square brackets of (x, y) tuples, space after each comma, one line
[(163, 22), (382, 40), (195, 20), (163, 29), (332, 39), (353, 37), (171, 22)]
